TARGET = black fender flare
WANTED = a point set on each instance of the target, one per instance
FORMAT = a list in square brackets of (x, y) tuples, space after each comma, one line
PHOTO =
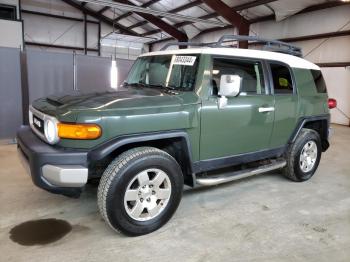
[(105, 149), (307, 119)]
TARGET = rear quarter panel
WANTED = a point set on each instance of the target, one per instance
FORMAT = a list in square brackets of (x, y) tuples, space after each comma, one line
[(311, 103)]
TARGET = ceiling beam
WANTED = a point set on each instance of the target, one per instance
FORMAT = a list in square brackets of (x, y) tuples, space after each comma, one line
[(147, 4), (235, 19), (175, 10), (214, 14), (100, 17), (60, 46), (252, 4), (226, 12), (103, 9), (316, 36), (185, 6), (236, 8), (57, 16), (334, 64), (158, 22)]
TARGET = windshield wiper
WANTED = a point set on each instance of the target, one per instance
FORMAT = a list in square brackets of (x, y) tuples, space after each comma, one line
[(163, 87), (168, 89), (134, 84)]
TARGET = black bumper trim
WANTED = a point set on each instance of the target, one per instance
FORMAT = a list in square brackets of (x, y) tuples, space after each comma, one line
[(38, 153)]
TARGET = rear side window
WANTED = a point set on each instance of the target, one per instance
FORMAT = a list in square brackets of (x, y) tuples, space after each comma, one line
[(282, 80), (319, 81), (250, 71)]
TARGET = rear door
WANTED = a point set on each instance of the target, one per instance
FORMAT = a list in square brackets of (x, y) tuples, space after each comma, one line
[(245, 124), (286, 103)]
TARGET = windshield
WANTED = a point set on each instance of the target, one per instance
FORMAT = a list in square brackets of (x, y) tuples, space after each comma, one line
[(177, 72)]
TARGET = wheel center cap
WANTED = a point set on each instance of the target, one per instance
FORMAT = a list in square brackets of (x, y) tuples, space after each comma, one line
[(146, 192)]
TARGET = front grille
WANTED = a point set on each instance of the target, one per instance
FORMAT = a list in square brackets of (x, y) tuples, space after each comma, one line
[(37, 120), (38, 123)]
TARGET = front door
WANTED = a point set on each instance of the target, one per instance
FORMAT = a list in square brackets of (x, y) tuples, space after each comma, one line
[(245, 124)]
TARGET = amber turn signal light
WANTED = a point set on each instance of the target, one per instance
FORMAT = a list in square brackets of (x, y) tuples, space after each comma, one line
[(79, 131)]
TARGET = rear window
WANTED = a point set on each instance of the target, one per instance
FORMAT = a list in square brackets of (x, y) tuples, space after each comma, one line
[(319, 81)]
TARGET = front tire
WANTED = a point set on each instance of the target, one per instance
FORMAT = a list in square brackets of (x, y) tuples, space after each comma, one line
[(140, 191), (303, 156)]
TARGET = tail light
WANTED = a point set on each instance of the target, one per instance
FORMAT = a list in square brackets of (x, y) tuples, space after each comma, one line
[(332, 103)]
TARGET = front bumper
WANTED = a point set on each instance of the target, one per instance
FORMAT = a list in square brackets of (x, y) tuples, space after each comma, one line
[(56, 170)]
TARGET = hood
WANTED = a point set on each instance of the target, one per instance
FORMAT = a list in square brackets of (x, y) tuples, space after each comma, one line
[(129, 98)]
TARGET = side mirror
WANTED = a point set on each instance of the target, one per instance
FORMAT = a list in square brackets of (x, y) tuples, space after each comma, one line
[(230, 85)]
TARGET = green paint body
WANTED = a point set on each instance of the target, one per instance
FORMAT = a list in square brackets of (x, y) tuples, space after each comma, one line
[(213, 132)]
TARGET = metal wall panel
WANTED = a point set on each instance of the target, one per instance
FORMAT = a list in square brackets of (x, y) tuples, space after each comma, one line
[(10, 92), (93, 72), (124, 66), (49, 73)]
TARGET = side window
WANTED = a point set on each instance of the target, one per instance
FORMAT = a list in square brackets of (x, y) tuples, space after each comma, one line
[(282, 80), (319, 81), (250, 71)]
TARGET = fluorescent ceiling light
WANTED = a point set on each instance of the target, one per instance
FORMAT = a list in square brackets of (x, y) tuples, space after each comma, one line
[(114, 74)]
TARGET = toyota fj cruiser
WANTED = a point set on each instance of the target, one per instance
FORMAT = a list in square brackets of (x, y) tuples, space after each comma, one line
[(198, 116)]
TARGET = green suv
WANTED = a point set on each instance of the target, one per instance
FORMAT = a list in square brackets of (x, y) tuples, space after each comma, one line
[(197, 116)]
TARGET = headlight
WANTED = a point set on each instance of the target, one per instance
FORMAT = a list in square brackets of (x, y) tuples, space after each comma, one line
[(51, 131)]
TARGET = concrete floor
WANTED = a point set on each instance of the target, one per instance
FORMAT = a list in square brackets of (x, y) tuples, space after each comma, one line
[(263, 218)]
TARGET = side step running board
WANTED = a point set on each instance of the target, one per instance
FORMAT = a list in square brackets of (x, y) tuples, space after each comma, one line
[(228, 177)]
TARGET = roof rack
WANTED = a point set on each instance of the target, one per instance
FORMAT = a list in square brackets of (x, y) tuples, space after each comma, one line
[(268, 44), (186, 44)]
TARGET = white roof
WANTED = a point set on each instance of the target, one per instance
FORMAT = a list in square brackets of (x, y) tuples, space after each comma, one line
[(292, 61)]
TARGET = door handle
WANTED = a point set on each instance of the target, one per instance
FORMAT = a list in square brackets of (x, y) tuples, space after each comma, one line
[(266, 109)]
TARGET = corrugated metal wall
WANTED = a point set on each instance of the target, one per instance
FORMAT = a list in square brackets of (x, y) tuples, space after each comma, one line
[(48, 73), (10, 92)]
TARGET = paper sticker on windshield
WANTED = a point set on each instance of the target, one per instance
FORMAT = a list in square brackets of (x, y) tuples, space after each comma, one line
[(185, 60)]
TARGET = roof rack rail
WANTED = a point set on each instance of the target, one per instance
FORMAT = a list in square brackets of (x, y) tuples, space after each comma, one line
[(268, 44), (186, 44)]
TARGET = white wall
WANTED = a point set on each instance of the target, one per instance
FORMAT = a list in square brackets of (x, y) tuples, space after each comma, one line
[(11, 34), (338, 84), (11, 31), (58, 31)]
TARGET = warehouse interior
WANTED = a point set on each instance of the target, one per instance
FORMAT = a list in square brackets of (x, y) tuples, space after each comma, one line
[(62, 46)]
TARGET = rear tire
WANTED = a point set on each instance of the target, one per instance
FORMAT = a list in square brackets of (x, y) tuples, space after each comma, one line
[(303, 156), (140, 191)]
